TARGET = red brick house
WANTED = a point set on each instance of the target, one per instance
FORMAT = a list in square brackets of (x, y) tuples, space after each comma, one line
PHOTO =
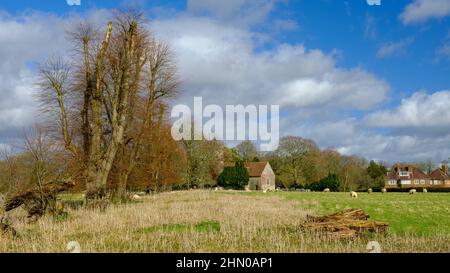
[(408, 176), (261, 175)]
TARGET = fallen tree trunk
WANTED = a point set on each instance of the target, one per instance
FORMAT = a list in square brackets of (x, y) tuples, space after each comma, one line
[(346, 224), (37, 201)]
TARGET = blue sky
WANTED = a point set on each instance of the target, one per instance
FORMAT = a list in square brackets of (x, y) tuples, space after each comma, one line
[(366, 80)]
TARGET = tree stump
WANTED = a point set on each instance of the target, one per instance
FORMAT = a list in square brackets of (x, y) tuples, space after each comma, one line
[(345, 224)]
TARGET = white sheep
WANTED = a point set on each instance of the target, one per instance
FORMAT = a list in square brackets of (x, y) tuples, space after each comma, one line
[(135, 197), (326, 190), (383, 191), (425, 190), (265, 191), (413, 191), (353, 194), (369, 191)]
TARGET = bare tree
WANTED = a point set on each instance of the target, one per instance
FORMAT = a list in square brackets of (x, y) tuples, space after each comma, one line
[(105, 102)]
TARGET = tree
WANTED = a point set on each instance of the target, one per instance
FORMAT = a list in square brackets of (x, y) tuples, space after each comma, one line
[(247, 151), (108, 96), (376, 173), (292, 154), (329, 182), (203, 162), (235, 177)]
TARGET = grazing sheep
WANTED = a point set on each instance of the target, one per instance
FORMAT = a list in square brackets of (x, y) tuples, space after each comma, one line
[(383, 191), (369, 191), (326, 190), (135, 197), (413, 191), (265, 191), (425, 190), (353, 194), (308, 190)]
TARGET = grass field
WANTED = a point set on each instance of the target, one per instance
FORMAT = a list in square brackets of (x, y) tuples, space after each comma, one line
[(208, 221)]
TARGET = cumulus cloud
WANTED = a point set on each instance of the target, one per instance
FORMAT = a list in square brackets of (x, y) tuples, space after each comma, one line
[(423, 10), (23, 39), (419, 114), (26, 40), (228, 69)]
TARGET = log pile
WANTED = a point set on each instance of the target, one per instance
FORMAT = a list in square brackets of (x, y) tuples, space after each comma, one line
[(347, 224), (37, 201)]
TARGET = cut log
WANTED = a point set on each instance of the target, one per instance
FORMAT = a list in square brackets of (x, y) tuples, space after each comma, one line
[(346, 224), (350, 214)]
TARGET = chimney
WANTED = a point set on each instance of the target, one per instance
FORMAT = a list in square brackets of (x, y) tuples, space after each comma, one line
[(444, 168)]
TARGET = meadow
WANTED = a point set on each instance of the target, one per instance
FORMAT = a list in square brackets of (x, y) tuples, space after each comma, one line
[(229, 221)]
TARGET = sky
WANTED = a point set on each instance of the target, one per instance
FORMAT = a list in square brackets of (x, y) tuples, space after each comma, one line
[(372, 81)]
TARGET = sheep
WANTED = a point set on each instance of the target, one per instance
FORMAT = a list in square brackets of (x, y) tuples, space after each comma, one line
[(425, 190), (308, 190), (135, 197), (413, 191), (383, 191), (326, 190), (265, 191), (353, 194), (369, 191)]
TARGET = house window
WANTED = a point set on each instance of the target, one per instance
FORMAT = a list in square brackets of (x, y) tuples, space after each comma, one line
[(268, 182), (392, 182), (406, 182), (403, 173), (416, 182)]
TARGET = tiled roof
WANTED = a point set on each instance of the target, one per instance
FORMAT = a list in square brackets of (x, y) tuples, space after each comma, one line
[(439, 174), (254, 169), (416, 173)]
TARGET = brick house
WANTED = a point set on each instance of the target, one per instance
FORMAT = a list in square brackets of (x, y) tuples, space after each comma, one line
[(408, 176), (261, 175)]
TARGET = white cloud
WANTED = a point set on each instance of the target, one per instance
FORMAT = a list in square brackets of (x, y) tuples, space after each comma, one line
[(23, 39), (420, 111), (394, 48), (423, 10), (26, 40), (228, 69)]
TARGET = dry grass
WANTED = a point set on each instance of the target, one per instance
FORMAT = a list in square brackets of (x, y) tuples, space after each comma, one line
[(198, 221)]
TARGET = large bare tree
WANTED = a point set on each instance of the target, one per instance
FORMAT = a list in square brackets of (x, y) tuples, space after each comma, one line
[(104, 102)]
